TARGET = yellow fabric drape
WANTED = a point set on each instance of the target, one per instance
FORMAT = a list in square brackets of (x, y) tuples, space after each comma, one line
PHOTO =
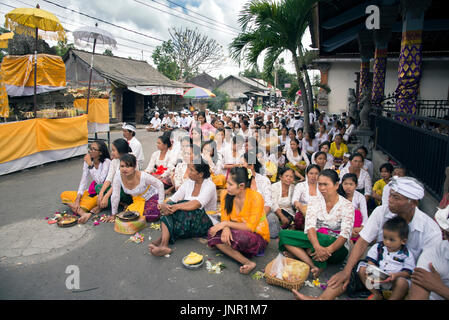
[(4, 102), (23, 138), (19, 71), (98, 109)]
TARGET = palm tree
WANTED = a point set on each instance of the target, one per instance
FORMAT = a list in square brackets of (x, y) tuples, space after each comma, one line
[(275, 27)]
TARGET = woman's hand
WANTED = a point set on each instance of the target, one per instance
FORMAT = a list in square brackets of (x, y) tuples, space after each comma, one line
[(88, 159), (99, 198), (165, 209), (356, 231), (110, 218), (321, 254), (226, 236), (104, 202), (218, 227)]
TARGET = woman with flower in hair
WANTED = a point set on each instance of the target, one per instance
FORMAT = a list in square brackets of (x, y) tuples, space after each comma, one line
[(243, 231)]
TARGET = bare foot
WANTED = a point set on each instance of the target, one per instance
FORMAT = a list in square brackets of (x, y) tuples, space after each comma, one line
[(247, 268), (151, 247), (300, 296), (157, 242), (84, 217), (160, 251)]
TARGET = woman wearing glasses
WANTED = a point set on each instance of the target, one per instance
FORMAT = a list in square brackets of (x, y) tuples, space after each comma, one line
[(96, 166)]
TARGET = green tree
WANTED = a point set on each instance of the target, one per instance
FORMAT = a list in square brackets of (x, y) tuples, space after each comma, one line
[(275, 27), (164, 61), (252, 73), (219, 102), (108, 52), (62, 47)]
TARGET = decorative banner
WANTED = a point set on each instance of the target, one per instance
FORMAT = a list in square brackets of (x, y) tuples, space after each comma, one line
[(18, 74), (409, 73), (98, 109), (379, 70), (23, 138)]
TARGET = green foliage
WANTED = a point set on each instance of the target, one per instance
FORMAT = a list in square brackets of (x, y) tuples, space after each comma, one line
[(252, 73), (62, 47), (108, 52), (219, 102), (163, 59), (291, 93)]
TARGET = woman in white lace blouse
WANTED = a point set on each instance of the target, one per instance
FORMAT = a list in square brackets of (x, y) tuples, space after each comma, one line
[(146, 190), (328, 227), (96, 166), (282, 213)]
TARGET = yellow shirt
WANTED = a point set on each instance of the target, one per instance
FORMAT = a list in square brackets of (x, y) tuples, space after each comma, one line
[(379, 188), (338, 153), (252, 213)]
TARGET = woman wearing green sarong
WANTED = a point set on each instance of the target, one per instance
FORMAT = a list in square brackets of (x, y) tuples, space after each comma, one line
[(184, 215), (328, 226)]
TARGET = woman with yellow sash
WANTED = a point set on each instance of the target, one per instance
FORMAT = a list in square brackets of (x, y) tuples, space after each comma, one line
[(96, 165), (243, 231), (214, 159), (146, 190), (297, 159)]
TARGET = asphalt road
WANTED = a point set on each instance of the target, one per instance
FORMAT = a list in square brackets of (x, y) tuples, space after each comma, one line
[(109, 266)]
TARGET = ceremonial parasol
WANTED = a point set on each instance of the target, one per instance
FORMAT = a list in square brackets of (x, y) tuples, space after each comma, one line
[(198, 93), (93, 35), (29, 21)]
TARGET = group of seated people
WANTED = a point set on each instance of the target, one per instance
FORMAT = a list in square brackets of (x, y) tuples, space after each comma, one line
[(242, 189)]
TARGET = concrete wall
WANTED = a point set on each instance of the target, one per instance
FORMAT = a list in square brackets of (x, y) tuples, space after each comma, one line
[(434, 82)]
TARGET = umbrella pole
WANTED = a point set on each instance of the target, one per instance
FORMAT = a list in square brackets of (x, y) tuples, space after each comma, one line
[(35, 78), (90, 76)]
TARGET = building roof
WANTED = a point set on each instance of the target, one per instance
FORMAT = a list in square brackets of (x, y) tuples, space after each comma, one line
[(335, 25), (254, 84), (127, 72), (204, 80)]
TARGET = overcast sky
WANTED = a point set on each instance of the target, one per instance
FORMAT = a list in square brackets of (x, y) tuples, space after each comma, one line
[(218, 19)]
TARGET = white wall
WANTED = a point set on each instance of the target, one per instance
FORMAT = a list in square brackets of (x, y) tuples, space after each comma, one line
[(341, 78), (434, 82)]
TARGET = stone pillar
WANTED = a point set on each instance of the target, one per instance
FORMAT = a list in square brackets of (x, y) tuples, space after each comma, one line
[(410, 58), (323, 97), (366, 48), (381, 38)]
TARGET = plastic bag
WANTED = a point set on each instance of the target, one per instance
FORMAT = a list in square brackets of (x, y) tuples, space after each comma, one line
[(289, 269), (277, 268)]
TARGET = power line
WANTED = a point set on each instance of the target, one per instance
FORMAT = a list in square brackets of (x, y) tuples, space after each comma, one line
[(83, 24), (189, 20), (214, 21), (104, 21), (121, 44)]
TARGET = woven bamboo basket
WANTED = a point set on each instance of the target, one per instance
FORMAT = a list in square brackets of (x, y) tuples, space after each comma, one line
[(283, 283)]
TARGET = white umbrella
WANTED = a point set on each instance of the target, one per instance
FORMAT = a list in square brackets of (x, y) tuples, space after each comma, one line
[(93, 35)]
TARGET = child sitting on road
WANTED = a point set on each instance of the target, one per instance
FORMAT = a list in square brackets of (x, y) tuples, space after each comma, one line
[(392, 257)]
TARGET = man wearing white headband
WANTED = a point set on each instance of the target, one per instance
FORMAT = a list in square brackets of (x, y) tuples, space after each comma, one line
[(129, 132), (430, 279), (424, 232)]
